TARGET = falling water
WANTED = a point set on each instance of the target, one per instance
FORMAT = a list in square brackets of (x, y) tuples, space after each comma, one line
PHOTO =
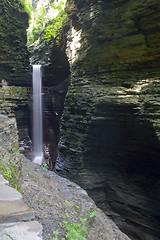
[(37, 115)]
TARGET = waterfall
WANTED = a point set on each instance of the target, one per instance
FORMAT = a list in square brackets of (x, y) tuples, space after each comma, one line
[(37, 115)]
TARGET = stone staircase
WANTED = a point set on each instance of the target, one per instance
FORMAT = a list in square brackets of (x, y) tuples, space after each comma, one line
[(16, 219)]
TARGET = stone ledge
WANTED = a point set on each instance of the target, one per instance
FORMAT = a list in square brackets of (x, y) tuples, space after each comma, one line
[(3, 181), (9, 194), (21, 230), (13, 211)]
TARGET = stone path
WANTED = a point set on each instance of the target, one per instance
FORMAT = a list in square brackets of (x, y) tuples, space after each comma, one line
[(56, 199), (16, 219)]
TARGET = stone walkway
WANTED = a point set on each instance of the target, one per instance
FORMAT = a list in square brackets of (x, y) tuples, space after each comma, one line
[(16, 219)]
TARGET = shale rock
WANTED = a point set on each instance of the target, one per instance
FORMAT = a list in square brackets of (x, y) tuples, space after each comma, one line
[(14, 56), (110, 126)]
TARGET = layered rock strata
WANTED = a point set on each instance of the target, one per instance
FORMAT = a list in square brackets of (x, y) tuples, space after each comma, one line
[(110, 126), (14, 56), (116, 35), (10, 99)]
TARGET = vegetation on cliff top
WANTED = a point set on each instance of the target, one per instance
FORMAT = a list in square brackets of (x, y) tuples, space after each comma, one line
[(27, 6), (46, 20)]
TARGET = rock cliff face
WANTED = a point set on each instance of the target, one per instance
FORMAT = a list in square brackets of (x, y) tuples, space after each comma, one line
[(111, 122), (117, 35), (54, 61), (14, 57)]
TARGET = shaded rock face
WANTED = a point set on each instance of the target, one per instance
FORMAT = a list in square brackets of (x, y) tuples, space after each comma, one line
[(10, 98), (117, 35), (14, 57), (54, 61), (110, 125), (51, 131), (114, 154)]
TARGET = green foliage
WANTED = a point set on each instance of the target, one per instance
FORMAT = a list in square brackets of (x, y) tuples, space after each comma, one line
[(75, 231), (49, 26), (11, 171), (38, 20), (67, 202), (73, 95), (27, 6), (78, 208), (55, 233), (52, 31), (92, 214), (23, 94), (45, 166)]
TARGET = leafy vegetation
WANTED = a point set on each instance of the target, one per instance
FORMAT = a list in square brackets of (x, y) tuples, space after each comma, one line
[(75, 230), (73, 96), (11, 171), (52, 31), (45, 166), (27, 6), (45, 19), (36, 24)]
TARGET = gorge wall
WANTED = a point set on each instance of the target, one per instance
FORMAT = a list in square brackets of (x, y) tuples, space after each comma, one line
[(111, 120), (14, 56), (14, 70)]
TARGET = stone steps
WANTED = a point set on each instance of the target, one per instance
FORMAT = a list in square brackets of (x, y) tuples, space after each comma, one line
[(16, 219)]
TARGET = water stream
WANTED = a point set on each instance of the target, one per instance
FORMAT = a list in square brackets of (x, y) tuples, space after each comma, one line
[(37, 115)]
